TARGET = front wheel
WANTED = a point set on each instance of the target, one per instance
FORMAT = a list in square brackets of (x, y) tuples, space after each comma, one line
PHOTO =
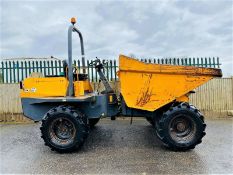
[(63, 129), (181, 127)]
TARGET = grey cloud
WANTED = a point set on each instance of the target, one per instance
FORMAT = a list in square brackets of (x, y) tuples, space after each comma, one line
[(144, 28)]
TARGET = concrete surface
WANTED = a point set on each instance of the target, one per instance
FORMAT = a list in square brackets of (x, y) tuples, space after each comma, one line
[(117, 147)]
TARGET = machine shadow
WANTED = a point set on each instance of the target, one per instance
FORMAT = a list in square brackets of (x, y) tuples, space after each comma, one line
[(140, 138), (121, 134)]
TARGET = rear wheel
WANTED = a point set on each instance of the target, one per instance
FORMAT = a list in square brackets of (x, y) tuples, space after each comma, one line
[(63, 129), (181, 127), (93, 122)]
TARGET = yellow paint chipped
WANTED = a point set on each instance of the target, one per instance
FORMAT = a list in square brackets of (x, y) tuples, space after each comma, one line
[(150, 86)]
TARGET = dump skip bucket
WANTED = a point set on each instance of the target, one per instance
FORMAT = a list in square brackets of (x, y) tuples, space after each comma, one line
[(149, 86)]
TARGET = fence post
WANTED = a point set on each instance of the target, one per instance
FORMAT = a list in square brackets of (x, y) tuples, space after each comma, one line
[(29, 67), (40, 67), (178, 61), (186, 61), (182, 61), (48, 66), (214, 62), (3, 79), (18, 71), (162, 61), (88, 72), (10, 68), (37, 66), (111, 70), (79, 67), (55, 65), (44, 68), (114, 62), (61, 67), (201, 62), (174, 61), (218, 62), (190, 62), (206, 62), (107, 70), (51, 63), (210, 64), (96, 75), (15, 71), (22, 70), (197, 62), (92, 74), (7, 73), (33, 66)]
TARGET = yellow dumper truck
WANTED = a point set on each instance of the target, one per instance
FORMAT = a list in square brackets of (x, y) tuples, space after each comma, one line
[(68, 106)]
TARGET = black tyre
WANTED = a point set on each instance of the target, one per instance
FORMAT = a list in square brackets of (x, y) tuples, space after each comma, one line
[(63, 129), (93, 121), (181, 127)]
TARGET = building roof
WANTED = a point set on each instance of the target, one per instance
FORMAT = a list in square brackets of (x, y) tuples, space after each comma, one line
[(30, 58)]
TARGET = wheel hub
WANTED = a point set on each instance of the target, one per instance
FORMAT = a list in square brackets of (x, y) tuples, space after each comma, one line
[(62, 131), (181, 127)]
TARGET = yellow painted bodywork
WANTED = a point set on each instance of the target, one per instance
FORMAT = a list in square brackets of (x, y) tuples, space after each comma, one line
[(44, 87), (183, 98), (80, 87), (52, 87), (150, 86)]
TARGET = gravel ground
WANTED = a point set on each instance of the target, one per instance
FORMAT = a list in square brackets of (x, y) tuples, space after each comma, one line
[(116, 147)]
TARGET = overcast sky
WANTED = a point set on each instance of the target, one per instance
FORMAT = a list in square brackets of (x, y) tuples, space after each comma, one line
[(143, 28)]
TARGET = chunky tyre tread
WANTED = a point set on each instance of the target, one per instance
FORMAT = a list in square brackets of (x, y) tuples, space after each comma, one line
[(81, 115), (80, 118), (160, 124)]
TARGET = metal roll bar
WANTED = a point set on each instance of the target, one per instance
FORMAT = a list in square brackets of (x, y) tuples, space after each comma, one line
[(71, 29)]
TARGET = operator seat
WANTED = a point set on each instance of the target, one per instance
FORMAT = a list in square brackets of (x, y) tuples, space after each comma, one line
[(81, 76)]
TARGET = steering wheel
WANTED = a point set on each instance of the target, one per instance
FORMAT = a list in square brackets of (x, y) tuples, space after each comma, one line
[(97, 63)]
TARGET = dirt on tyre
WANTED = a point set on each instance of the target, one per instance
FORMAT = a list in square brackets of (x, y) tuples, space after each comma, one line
[(181, 128), (63, 129)]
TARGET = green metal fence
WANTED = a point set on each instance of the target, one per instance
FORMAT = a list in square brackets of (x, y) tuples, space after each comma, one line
[(15, 71)]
